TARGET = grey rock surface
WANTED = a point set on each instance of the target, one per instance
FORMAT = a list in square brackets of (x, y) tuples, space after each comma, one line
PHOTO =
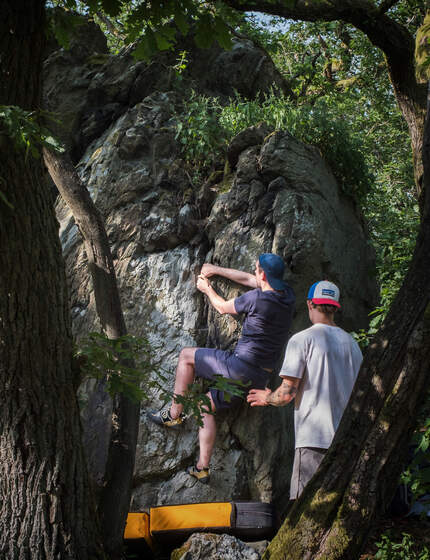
[(277, 196), (209, 546)]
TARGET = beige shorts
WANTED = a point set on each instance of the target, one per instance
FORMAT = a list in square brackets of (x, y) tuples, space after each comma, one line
[(306, 463)]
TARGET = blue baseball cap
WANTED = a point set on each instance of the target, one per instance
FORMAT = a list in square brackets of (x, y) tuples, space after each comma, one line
[(274, 267), (324, 292)]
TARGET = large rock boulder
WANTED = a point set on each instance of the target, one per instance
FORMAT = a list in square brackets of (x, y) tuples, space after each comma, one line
[(277, 195), (208, 546)]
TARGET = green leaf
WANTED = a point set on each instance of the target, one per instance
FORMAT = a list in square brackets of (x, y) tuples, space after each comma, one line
[(181, 21), (204, 32), (163, 43), (165, 37), (111, 7), (223, 34), (146, 47), (63, 24)]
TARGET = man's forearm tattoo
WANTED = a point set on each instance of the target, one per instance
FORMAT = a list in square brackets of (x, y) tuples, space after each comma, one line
[(284, 394)]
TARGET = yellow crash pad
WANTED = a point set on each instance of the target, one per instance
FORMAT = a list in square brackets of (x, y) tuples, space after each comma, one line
[(190, 516), (137, 527)]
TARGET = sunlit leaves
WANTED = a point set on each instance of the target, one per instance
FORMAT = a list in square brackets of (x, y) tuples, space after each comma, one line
[(128, 365), (166, 22), (25, 131), (63, 24), (199, 131), (205, 127), (151, 26), (124, 363)]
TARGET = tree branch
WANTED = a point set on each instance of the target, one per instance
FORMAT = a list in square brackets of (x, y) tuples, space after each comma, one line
[(117, 472), (110, 26), (90, 224), (306, 10), (308, 81)]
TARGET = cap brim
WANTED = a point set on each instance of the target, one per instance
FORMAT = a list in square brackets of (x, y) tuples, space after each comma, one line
[(321, 301)]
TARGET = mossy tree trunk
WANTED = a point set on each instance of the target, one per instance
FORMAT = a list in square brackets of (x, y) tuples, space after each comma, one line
[(358, 476), (46, 508)]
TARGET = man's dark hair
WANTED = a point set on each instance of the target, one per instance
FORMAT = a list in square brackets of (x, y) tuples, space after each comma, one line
[(325, 308)]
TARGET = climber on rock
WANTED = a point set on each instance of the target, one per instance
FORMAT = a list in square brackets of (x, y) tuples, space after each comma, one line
[(268, 310)]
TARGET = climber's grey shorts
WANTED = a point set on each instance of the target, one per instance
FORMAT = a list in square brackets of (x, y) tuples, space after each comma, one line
[(211, 361), (306, 463)]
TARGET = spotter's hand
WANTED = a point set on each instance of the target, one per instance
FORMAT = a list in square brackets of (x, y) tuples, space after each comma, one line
[(258, 397)]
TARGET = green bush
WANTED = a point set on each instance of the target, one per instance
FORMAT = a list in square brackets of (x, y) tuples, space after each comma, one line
[(199, 132), (404, 550), (128, 366), (417, 474), (205, 128)]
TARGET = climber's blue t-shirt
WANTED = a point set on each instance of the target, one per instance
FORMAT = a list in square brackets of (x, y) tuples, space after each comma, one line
[(266, 326)]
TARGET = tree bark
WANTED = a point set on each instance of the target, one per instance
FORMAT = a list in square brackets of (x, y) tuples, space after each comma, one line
[(359, 473), (46, 506), (116, 480), (393, 39)]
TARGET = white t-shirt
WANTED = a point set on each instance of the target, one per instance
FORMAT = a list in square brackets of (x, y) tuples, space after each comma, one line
[(327, 360)]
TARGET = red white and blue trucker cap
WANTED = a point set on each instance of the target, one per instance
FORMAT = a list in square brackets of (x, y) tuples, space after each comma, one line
[(324, 292)]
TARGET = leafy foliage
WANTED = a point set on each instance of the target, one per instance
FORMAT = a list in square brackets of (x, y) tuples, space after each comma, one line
[(128, 366), (124, 363), (199, 132), (196, 402), (62, 24), (154, 26), (24, 129), (417, 475), (404, 550), (205, 128)]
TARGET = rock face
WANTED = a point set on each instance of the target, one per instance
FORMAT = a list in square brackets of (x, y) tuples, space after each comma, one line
[(213, 547), (278, 196)]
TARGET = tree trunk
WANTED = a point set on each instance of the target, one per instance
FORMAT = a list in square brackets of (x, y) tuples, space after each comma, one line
[(115, 480), (46, 506), (399, 48), (359, 473)]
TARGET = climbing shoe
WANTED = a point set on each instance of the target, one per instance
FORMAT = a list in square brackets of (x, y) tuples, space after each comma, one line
[(163, 418), (202, 475)]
